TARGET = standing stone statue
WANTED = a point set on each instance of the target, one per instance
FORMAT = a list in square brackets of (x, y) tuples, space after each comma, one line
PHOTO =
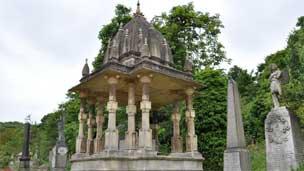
[(25, 158), (236, 156), (284, 139), (275, 84), (58, 155)]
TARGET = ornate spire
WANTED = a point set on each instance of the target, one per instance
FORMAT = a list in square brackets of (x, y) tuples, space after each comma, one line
[(114, 51), (138, 12), (166, 55), (145, 52), (126, 42), (86, 69)]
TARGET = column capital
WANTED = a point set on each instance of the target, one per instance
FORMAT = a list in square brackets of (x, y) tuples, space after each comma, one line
[(83, 93), (189, 91), (190, 113), (112, 80), (131, 109), (145, 78)]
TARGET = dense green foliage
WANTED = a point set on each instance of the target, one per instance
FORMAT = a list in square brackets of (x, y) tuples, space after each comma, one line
[(258, 156), (192, 33), (11, 136), (189, 33)]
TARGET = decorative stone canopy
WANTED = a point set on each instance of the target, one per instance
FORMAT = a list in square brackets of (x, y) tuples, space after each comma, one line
[(137, 40), (139, 49), (136, 74)]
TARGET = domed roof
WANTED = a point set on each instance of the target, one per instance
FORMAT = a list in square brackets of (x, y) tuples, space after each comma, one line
[(138, 40)]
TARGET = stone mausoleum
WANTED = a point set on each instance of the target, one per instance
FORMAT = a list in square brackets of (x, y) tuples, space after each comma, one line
[(137, 73)]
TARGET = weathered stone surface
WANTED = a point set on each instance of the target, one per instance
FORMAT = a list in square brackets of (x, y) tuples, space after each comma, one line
[(284, 140), (81, 145), (236, 156), (236, 160), (136, 163), (111, 140)]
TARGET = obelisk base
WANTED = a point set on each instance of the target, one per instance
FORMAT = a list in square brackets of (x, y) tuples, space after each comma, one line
[(24, 165), (284, 140), (237, 159)]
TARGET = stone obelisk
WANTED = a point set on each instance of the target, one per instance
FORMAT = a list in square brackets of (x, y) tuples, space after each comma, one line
[(25, 158), (236, 156), (284, 139)]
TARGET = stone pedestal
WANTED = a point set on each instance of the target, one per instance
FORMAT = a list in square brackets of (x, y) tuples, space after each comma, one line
[(176, 144), (111, 140), (58, 158), (236, 160), (284, 140), (81, 145), (145, 133), (123, 162), (90, 140), (131, 140), (24, 165), (98, 141), (98, 145)]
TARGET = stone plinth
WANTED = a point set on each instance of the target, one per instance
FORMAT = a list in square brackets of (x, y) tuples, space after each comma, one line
[(236, 160), (121, 162), (284, 140)]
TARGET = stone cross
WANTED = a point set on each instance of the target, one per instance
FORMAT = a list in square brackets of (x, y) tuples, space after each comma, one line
[(236, 157)]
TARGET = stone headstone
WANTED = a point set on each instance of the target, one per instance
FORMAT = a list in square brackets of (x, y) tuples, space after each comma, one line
[(236, 156), (58, 155), (284, 140)]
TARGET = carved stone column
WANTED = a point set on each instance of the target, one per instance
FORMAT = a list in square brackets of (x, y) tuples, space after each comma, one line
[(98, 143), (176, 140), (111, 134), (131, 111), (81, 139), (191, 139), (145, 133), (91, 122)]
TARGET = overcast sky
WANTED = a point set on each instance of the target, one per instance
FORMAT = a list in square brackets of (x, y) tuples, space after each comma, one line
[(43, 44)]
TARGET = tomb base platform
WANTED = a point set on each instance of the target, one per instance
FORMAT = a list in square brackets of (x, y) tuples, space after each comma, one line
[(136, 161)]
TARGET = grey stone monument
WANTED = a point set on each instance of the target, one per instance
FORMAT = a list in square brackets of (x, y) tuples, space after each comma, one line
[(24, 164), (58, 155), (284, 139), (137, 74), (236, 156)]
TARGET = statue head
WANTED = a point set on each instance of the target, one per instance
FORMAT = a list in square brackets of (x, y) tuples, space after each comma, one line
[(273, 67)]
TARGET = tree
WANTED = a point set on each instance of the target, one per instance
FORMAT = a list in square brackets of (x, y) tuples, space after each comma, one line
[(122, 16), (210, 106), (193, 33)]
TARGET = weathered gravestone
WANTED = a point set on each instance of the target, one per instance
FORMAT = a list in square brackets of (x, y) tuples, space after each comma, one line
[(284, 139), (236, 156), (58, 155)]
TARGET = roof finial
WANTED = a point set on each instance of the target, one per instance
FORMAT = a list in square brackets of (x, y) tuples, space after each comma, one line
[(138, 12), (85, 69)]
